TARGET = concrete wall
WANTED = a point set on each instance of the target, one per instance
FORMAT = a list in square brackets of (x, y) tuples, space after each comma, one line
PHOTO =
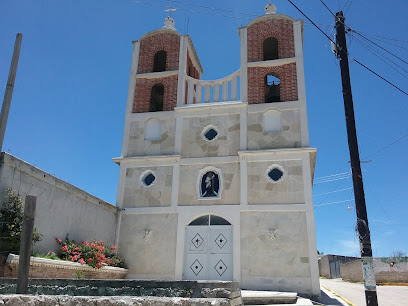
[(384, 271), (61, 207), (288, 137), (274, 251), (138, 195), (190, 178), (324, 267), (288, 190), (138, 146), (226, 143), (148, 242)]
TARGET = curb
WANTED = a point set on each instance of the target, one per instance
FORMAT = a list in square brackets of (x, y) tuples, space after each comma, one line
[(343, 298), (392, 284)]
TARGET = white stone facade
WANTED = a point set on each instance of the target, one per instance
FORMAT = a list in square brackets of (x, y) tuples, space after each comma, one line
[(272, 221)]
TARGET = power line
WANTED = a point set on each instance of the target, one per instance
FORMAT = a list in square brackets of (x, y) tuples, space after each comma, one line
[(312, 22), (215, 8), (349, 2), (327, 7), (379, 76), (378, 46), (323, 177), (319, 194), (188, 10), (385, 147), (324, 204), (384, 37), (332, 180), (380, 56)]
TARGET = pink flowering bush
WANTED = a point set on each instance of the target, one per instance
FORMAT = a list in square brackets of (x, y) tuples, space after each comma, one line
[(95, 254)]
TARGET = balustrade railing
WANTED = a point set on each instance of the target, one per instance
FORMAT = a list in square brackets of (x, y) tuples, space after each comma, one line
[(200, 91)]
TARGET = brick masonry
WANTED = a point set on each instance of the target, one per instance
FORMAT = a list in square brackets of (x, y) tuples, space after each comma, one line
[(288, 83), (143, 90), (10, 270), (150, 45), (281, 29)]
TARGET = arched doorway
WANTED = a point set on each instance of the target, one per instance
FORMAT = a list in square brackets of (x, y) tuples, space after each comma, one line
[(208, 249)]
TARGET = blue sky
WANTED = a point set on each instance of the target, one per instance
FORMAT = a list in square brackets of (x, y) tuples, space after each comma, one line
[(68, 107)]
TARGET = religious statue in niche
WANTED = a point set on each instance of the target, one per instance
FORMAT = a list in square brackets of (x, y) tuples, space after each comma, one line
[(210, 185)]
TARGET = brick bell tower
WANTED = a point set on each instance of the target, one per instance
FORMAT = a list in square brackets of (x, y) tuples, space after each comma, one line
[(163, 56), (216, 176)]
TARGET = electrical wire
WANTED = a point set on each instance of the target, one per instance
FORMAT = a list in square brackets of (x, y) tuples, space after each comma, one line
[(337, 174), (312, 22), (327, 7), (188, 10), (383, 58), (384, 37), (378, 45), (361, 64), (324, 204), (319, 194), (387, 146), (349, 2)]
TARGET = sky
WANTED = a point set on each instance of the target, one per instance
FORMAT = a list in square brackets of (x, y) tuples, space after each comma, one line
[(68, 108)]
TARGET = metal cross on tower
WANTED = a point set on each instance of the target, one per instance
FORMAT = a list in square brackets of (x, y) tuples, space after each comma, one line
[(171, 9)]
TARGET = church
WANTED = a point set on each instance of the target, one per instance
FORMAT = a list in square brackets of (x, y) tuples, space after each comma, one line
[(216, 176)]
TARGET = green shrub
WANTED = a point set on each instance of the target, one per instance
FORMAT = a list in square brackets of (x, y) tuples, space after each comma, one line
[(11, 223)]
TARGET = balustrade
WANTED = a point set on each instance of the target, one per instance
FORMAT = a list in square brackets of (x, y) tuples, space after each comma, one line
[(201, 91)]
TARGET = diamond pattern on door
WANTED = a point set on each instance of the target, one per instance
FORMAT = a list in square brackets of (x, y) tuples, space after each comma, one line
[(220, 267), (197, 240), (196, 267), (221, 241), (208, 253)]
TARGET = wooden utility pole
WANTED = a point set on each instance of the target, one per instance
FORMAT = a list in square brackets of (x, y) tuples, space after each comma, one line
[(9, 88), (362, 221), (25, 244)]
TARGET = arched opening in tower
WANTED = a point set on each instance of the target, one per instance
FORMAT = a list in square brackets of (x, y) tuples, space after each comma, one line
[(159, 61), (270, 49), (272, 88), (156, 98)]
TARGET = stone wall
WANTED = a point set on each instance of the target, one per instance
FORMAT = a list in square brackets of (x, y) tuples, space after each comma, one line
[(122, 292), (384, 271), (288, 137), (139, 146), (274, 251), (136, 194), (190, 179), (61, 207), (289, 190), (226, 143), (148, 242), (59, 269)]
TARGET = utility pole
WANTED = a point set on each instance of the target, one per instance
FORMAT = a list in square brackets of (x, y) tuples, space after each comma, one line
[(26, 242), (9, 88), (362, 221)]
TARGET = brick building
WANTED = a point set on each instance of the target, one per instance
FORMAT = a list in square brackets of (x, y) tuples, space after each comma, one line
[(216, 176)]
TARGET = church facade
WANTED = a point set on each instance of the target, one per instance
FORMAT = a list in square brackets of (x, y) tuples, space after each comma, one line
[(216, 176)]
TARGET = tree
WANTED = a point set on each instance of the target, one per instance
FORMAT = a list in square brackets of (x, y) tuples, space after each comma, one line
[(11, 223), (398, 253)]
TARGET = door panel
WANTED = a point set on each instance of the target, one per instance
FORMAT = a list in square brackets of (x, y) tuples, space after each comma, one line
[(208, 253)]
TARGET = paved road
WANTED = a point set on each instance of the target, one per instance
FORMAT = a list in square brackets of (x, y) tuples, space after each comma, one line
[(387, 295)]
